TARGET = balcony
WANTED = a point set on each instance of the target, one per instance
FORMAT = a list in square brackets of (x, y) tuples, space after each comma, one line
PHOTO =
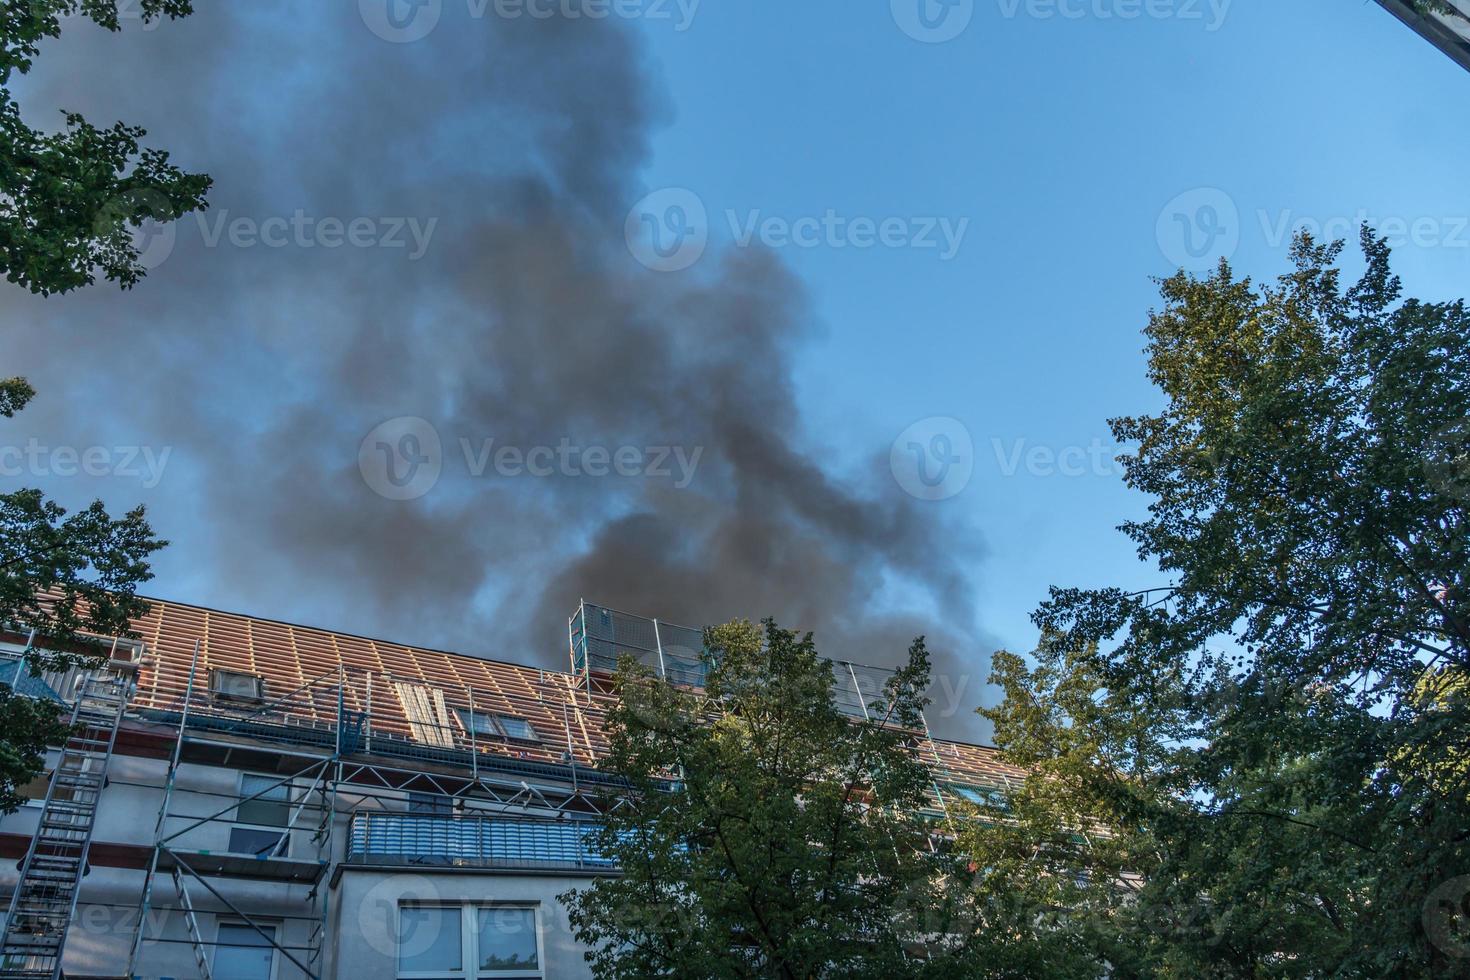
[(491, 842)]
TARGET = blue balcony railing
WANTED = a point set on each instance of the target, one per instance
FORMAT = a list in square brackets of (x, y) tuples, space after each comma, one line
[(442, 840)]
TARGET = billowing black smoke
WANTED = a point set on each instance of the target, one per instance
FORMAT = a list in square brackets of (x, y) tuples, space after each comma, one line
[(476, 277)]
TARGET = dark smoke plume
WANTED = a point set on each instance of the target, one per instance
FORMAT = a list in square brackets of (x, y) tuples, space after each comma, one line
[(262, 367)]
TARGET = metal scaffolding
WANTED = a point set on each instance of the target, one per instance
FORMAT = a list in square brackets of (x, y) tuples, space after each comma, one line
[(599, 637), (336, 760)]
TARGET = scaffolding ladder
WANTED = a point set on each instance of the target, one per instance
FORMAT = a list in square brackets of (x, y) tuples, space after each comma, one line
[(51, 875)]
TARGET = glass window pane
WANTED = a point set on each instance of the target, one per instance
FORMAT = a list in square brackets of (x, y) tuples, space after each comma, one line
[(242, 953), (507, 939), (260, 843), (429, 939), (236, 685), (430, 803), (272, 809), (516, 728), (970, 793), (479, 723)]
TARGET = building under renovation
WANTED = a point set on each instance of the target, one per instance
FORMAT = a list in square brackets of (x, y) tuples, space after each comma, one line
[(244, 799)]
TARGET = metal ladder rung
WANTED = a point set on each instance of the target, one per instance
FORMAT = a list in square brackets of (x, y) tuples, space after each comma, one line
[(191, 924), (73, 806), (17, 941), (56, 862), (40, 906), (51, 874), (63, 873), (73, 743)]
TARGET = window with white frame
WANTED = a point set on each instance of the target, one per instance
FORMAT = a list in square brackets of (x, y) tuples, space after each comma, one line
[(236, 685), (468, 942), (242, 953), (260, 822)]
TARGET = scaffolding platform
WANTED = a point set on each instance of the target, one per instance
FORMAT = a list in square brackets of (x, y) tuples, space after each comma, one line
[(218, 864)]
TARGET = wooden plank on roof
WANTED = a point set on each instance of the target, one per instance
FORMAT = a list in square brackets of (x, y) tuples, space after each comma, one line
[(433, 666)]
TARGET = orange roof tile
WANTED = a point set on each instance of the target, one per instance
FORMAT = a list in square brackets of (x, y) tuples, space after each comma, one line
[(290, 657)]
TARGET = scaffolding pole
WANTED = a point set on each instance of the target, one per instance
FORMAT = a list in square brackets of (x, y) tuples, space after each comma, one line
[(168, 787)]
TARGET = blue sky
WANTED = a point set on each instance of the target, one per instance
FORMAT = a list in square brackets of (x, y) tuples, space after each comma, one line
[(1062, 141)]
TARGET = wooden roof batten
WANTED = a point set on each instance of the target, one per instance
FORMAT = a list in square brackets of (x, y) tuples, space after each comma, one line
[(298, 663)]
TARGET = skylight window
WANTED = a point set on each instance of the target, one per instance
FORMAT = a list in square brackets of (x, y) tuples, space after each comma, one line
[(516, 728), (978, 795), (237, 684), (491, 725)]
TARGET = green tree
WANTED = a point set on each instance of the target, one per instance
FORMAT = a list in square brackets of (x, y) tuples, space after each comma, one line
[(69, 200), (762, 832), (61, 577), (68, 204), (1259, 769)]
